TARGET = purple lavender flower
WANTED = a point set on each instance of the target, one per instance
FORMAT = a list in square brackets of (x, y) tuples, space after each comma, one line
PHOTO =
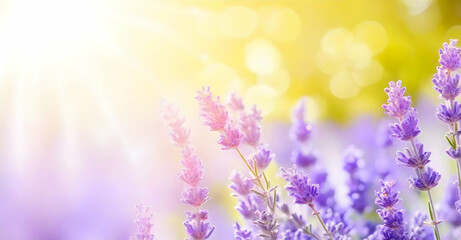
[(178, 133), (337, 224), (241, 185), (303, 159), (196, 225), (418, 160), (450, 55), (213, 111), (249, 125), (393, 221), (300, 130), (417, 229), (267, 223), (397, 104), (299, 186), (408, 128), (326, 196), (449, 114), (451, 199), (263, 157), (425, 180), (241, 233), (144, 222), (248, 206), (230, 138), (446, 83)]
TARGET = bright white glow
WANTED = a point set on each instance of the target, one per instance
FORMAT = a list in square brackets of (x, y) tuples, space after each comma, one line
[(38, 31)]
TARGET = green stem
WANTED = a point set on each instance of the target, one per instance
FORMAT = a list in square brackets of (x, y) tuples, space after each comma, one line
[(317, 214), (434, 221)]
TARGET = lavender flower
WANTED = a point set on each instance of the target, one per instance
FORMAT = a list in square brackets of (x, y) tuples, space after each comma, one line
[(450, 199), (417, 229), (197, 226), (407, 129), (178, 134), (262, 157), (337, 225), (215, 113), (240, 184), (450, 56), (249, 125), (446, 82), (241, 233), (267, 223), (357, 186), (325, 198), (303, 159), (299, 186), (235, 103), (144, 222), (300, 130), (230, 137), (393, 222)]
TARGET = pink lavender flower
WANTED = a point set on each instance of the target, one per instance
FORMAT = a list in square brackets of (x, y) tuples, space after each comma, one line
[(249, 125), (230, 137), (213, 111), (235, 103), (178, 133), (393, 227), (450, 55), (144, 222), (193, 169), (299, 186), (197, 226)]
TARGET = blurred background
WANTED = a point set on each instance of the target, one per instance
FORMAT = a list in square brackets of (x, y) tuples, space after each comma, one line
[(81, 83)]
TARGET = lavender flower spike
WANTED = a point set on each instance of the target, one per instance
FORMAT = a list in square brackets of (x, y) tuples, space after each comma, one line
[(197, 226), (215, 113), (406, 129), (300, 130), (446, 83), (393, 227), (304, 192), (144, 221)]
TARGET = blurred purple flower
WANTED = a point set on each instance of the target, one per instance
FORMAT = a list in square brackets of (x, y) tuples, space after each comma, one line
[(357, 186), (144, 222), (267, 223), (195, 196), (235, 103), (303, 159), (192, 172), (213, 111), (250, 126), (241, 185), (300, 130), (417, 229), (241, 233)]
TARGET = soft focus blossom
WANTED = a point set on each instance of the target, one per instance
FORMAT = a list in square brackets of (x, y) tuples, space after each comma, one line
[(178, 133), (262, 157), (197, 227), (267, 223), (300, 186), (230, 137), (450, 55), (357, 186), (213, 111), (241, 233), (250, 126), (241, 185), (144, 222), (300, 130)]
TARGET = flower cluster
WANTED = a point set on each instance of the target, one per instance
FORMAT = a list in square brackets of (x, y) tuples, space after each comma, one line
[(197, 226), (144, 222), (358, 189), (393, 227), (446, 83)]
